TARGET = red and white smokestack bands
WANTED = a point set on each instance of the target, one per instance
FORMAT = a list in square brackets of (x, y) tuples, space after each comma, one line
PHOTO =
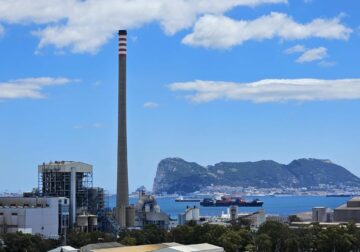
[(122, 42)]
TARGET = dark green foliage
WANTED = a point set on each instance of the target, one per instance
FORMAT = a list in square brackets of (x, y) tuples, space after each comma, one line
[(20, 242), (271, 237), (149, 235), (177, 175), (78, 239), (293, 218)]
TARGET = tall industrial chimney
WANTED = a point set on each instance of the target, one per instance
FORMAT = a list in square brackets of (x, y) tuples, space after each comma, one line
[(122, 194)]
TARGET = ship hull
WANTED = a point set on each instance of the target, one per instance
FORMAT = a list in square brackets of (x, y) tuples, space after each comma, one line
[(239, 204), (187, 200)]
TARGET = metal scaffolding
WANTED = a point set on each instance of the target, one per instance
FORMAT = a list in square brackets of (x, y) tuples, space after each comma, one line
[(67, 179)]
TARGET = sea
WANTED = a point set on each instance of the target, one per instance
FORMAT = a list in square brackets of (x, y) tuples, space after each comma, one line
[(274, 205)]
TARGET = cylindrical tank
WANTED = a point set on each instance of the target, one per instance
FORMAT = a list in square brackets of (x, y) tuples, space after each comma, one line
[(82, 221), (147, 208), (233, 212), (130, 216), (196, 214), (93, 221), (319, 214), (157, 209)]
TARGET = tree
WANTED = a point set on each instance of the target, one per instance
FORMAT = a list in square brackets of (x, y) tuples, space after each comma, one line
[(277, 232), (19, 242), (294, 218), (234, 241), (79, 239), (263, 243), (128, 240), (231, 241)]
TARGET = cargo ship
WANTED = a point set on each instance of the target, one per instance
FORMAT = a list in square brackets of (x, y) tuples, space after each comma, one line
[(230, 201), (182, 199)]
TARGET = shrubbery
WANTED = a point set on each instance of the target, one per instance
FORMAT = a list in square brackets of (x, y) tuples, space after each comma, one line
[(271, 237)]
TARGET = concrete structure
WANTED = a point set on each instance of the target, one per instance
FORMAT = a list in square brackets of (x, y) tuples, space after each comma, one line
[(147, 211), (233, 211), (163, 247), (255, 219), (204, 247), (348, 212), (67, 179), (322, 214), (87, 222), (45, 216), (96, 199), (319, 214), (98, 246), (191, 214), (122, 193), (64, 249)]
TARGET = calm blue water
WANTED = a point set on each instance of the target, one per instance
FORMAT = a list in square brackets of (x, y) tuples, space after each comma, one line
[(281, 205)]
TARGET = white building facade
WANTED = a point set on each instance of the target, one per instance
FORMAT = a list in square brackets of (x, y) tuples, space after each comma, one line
[(48, 217)]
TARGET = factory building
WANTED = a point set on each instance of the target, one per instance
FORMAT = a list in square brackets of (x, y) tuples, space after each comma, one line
[(348, 212), (190, 214), (322, 214), (147, 211), (48, 217), (72, 180), (96, 199)]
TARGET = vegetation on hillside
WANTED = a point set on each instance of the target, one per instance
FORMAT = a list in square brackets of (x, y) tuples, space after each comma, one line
[(175, 175)]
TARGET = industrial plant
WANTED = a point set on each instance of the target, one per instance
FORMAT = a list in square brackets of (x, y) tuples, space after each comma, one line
[(66, 199)]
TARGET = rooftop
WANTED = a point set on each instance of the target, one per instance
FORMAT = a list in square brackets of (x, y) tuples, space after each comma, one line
[(65, 166)]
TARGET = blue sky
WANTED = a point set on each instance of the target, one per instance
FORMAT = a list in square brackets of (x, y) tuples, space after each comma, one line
[(208, 81)]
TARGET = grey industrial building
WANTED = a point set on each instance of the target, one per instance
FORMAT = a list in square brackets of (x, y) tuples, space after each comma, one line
[(349, 212), (147, 211), (73, 180), (47, 216)]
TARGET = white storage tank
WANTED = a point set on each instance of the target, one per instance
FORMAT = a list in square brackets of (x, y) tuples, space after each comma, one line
[(319, 214), (196, 214), (93, 221), (157, 209), (82, 221)]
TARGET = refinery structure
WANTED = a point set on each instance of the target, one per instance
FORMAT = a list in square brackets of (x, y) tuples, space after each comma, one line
[(66, 199), (67, 179), (71, 183)]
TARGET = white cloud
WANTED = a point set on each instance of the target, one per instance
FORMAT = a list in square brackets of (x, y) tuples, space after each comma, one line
[(309, 55), (151, 105), (271, 90), (313, 55), (84, 26), (29, 88), (217, 31), (295, 49)]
